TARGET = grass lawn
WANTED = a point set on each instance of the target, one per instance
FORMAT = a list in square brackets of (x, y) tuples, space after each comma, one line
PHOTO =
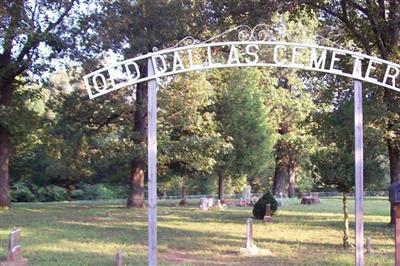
[(90, 233)]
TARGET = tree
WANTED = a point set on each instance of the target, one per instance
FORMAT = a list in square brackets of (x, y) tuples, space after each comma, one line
[(290, 103), (243, 119), (189, 137), (136, 28), (290, 106), (333, 162), (374, 27), (77, 132), (25, 25)]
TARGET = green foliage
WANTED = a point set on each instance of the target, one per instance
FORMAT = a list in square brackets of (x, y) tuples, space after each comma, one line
[(98, 192), (21, 192), (51, 193), (189, 141), (335, 168), (261, 205), (220, 122), (333, 162), (243, 120)]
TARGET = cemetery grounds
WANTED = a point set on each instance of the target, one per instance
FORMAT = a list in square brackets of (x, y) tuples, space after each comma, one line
[(90, 233)]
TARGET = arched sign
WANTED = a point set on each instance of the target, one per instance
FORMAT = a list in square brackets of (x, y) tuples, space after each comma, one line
[(247, 53), (248, 48)]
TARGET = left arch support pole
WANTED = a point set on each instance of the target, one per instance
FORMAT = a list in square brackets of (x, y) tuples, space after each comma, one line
[(359, 168), (152, 165)]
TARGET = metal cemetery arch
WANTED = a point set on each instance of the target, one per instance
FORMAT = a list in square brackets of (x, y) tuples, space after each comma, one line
[(249, 48)]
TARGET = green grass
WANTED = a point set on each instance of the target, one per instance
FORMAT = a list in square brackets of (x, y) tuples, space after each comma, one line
[(90, 233)]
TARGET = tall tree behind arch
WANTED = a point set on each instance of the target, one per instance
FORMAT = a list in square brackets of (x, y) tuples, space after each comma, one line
[(25, 25), (374, 26)]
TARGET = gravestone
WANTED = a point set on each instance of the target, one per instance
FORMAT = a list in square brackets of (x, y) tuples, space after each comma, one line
[(119, 258), (14, 254), (246, 194), (280, 200), (210, 202), (204, 204), (312, 198), (249, 247), (219, 205), (268, 214), (368, 245)]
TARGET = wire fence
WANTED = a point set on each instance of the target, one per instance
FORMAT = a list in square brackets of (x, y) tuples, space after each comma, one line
[(321, 194)]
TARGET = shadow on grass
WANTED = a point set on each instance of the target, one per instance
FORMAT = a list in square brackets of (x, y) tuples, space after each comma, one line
[(86, 224)]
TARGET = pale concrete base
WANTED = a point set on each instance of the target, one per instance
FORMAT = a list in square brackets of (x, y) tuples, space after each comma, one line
[(251, 251), (264, 252), (255, 251), (267, 220), (20, 262)]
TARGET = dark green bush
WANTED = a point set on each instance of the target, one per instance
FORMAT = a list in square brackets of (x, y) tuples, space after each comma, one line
[(97, 192), (52, 193), (21, 192), (260, 206), (78, 194)]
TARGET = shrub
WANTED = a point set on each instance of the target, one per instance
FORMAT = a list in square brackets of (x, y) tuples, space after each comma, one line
[(78, 194), (20, 192), (52, 193), (261, 205), (98, 191)]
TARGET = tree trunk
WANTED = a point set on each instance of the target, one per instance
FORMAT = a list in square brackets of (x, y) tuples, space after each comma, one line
[(4, 161), (183, 192), (292, 178), (136, 193), (346, 243), (5, 138), (394, 162), (221, 186), (68, 190), (280, 171)]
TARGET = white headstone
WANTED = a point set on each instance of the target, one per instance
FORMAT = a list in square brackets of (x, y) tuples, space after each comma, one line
[(210, 202), (14, 254), (204, 204), (219, 205), (247, 194)]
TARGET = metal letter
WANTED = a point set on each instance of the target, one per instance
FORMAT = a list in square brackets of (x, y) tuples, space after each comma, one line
[(314, 60), (103, 80), (334, 60), (276, 60), (388, 75), (156, 70), (294, 54), (129, 73), (233, 55), (254, 54), (357, 73), (177, 62), (369, 68)]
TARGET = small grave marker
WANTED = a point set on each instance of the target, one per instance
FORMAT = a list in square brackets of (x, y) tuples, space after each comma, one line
[(311, 199), (14, 254), (119, 258), (210, 203), (368, 245), (249, 247), (268, 216), (203, 204), (219, 205), (246, 196)]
